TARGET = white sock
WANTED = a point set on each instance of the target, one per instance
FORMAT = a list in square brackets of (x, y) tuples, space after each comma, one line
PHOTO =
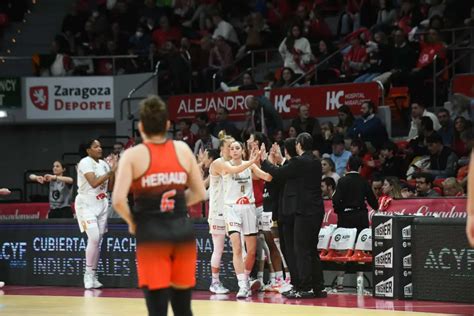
[(279, 275), (247, 273), (242, 279), (260, 276), (215, 277), (272, 277), (89, 270), (288, 275)]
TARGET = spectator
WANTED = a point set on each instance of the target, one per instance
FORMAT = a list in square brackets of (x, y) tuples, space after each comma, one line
[(359, 149), (188, 137), (118, 149), (329, 169), (62, 63), (327, 134), (459, 145), (391, 164), (140, 42), (391, 187), (287, 78), (432, 46), (264, 116), (386, 16), (73, 22), (248, 83), (349, 20), (345, 119), (122, 39), (304, 123), (407, 191), (318, 28), (223, 124), (451, 187), (82, 66), (418, 110), (328, 185), (258, 34), (443, 160), (296, 51), (403, 58), (369, 128), (166, 33), (447, 128), (206, 141), (328, 66), (220, 60), (424, 185), (224, 29), (418, 144), (339, 155), (355, 61), (379, 58), (150, 13), (292, 132), (377, 183)]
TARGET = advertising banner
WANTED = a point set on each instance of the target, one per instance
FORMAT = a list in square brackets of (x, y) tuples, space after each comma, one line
[(443, 261), (464, 84), (52, 253), (322, 101), (66, 98), (442, 207), (10, 92)]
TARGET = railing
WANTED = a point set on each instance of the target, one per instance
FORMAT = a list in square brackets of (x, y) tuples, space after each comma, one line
[(129, 97), (315, 68), (115, 59), (252, 54)]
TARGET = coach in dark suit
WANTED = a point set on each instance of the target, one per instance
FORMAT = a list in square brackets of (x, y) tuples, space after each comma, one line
[(303, 190)]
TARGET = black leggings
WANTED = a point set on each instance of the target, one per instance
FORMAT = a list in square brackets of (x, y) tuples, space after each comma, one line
[(157, 302)]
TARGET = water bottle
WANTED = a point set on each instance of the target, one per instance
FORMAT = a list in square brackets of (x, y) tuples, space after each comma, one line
[(360, 284)]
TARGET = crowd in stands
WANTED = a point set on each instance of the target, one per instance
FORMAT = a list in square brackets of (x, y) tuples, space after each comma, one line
[(394, 41), (11, 11), (431, 162)]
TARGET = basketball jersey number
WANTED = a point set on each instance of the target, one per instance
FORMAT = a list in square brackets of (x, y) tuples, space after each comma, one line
[(167, 203)]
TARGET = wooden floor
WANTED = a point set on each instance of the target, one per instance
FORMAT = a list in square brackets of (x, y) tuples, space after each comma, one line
[(27, 305)]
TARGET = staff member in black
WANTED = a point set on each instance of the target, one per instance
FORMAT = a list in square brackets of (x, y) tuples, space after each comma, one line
[(304, 172), (349, 199)]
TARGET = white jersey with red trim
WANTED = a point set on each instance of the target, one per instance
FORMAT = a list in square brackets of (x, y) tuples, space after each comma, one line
[(238, 188)]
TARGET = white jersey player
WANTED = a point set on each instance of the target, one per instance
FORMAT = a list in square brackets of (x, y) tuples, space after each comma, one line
[(94, 177), (240, 214), (217, 227)]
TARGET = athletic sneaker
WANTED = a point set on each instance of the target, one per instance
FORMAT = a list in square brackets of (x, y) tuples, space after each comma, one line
[(2, 284), (300, 294), (88, 281), (218, 288), (255, 285), (273, 286), (285, 287), (244, 292), (96, 284)]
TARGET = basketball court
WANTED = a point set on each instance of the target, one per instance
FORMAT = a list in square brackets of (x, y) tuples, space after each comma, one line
[(42, 301)]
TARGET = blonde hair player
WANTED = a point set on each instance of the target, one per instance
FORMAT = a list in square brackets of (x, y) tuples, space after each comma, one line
[(94, 176), (217, 170), (240, 214), (164, 177)]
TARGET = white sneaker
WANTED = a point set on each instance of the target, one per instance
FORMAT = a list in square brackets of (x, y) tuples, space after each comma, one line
[(244, 292), (96, 284), (285, 287), (255, 285), (2, 284), (88, 280), (218, 288)]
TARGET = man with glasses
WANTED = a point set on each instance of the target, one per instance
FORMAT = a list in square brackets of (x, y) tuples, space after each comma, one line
[(424, 185)]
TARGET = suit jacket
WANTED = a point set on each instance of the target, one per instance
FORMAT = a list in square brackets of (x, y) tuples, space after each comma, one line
[(302, 192)]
